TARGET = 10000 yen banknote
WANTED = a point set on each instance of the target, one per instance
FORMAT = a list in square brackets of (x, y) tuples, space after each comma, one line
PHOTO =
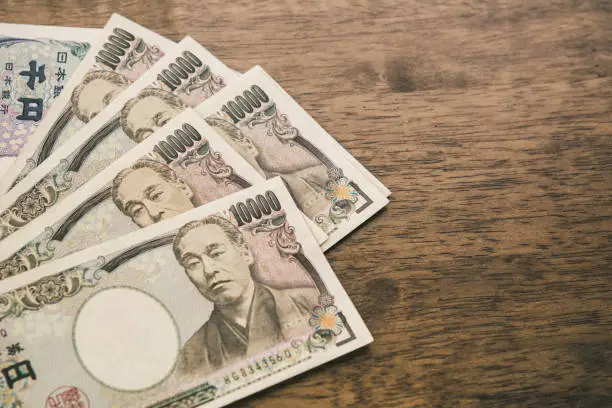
[(122, 53), (278, 138), (205, 308), (181, 166), (36, 63), (184, 77)]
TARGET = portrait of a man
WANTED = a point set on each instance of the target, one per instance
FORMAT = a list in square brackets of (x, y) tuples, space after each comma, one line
[(248, 316), (149, 192), (305, 175), (150, 110), (240, 143), (95, 93)]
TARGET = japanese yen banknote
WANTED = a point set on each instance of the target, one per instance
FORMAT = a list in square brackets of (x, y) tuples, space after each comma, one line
[(36, 63), (201, 309), (148, 104), (181, 166), (278, 138), (122, 52)]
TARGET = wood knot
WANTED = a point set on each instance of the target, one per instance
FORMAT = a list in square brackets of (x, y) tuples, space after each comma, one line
[(383, 291)]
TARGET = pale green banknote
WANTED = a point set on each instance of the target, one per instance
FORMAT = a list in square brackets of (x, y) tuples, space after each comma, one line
[(36, 63), (181, 166), (278, 138), (198, 310), (122, 52), (185, 76)]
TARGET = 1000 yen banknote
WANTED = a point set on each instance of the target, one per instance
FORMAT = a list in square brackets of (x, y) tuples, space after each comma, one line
[(181, 166), (36, 63), (122, 53), (205, 308), (184, 77), (273, 133)]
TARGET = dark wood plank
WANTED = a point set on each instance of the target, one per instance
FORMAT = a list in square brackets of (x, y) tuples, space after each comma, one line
[(486, 282)]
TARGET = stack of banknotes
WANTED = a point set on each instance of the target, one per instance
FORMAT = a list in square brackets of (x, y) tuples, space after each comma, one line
[(163, 222)]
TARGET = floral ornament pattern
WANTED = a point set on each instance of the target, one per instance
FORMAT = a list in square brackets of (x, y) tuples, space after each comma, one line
[(30, 206), (36, 201), (277, 124), (282, 235), (30, 256), (327, 323), (326, 317), (194, 156), (211, 162), (343, 197), (339, 187), (50, 292), (12, 266), (338, 211), (205, 81), (340, 190), (142, 53), (335, 173), (51, 289), (285, 240), (341, 210)]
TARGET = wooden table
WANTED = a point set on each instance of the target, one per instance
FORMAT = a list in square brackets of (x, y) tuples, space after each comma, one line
[(486, 282)]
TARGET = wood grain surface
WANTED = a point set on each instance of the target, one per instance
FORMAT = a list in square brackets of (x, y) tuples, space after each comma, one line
[(486, 282)]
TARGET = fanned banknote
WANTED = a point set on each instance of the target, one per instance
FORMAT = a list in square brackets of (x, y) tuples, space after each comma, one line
[(121, 54), (36, 63), (202, 309), (278, 138), (186, 76), (181, 166)]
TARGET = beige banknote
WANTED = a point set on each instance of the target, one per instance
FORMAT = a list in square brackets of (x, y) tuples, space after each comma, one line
[(184, 77), (181, 166), (199, 310), (36, 63), (123, 51), (277, 137)]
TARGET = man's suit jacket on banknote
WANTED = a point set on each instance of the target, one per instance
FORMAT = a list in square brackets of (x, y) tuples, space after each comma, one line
[(276, 315)]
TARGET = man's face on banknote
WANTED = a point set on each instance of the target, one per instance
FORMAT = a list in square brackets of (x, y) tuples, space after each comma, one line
[(95, 93), (147, 197), (218, 266), (150, 111), (241, 143)]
